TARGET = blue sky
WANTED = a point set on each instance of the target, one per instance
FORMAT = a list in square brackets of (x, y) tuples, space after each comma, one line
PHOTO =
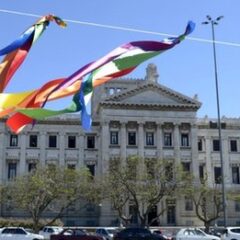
[(188, 68)]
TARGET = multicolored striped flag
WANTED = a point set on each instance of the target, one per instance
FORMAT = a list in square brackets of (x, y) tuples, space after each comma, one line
[(17, 51), (117, 63)]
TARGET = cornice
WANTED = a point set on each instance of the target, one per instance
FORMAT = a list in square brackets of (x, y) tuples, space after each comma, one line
[(144, 106)]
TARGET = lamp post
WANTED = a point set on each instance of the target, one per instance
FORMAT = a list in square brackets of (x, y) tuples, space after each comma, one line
[(214, 22)]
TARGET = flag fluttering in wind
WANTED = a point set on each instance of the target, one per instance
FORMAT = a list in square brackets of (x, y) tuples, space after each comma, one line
[(117, 63), (16, 52)]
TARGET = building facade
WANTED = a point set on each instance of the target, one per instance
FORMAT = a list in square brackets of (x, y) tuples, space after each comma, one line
[(130, 117)]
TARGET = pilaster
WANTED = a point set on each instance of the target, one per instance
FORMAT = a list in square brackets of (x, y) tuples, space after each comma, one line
[(81, 151), (140, 140), (194, 146), (159, 141), (105, 146), (123, 146), (209, 168), (226, 163), (61, 149), (42, 145), (22, 163), (176, 142)]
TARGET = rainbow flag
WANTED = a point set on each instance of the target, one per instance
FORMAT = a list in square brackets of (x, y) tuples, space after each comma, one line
[(17, 51), (117, 63)]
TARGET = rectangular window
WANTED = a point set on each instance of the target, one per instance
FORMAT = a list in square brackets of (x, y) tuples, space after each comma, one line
[(134, 213), (71, 141), (71, 166), (90, 142), (111, 91), (184, 140), (114, 138), (186, 166), (32, 167), (91, 168), (150, 166), (216, 145), (13, 140), (169, 172), (167, 139), (52, 141), (188, 204), (217, 175), (33, 141), (149, 138), (201, 172), (237, 206), (171, 215), (131, 138), (235, 175), (233, 145), (200, 145), (12, 171)]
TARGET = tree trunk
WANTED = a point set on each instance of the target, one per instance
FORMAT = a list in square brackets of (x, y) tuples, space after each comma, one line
[(207, 227), (35, 225)]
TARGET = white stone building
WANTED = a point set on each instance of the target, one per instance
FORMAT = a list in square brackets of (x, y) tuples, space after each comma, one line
[(130, 117)]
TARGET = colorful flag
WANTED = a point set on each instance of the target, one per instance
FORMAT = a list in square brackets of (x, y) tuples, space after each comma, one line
[(117, 63), (17, 51)]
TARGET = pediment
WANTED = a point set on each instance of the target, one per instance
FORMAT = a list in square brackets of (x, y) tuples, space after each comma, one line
[(152, 94)]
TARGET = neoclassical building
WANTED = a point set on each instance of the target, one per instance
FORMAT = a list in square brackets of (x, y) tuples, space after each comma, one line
[(130, 117)]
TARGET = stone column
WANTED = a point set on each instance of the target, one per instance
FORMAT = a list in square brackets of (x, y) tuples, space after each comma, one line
[(81, 150), (141, 140), (177, 156), (42, 146), (61, 149), (104, 150), (159, 141), (22, 163), (123, 146), (226, 163), (2, 157), (176, 142), (209, 168), (194, 149), (105, 146)]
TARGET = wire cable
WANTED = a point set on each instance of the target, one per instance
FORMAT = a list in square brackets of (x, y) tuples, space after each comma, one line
[(122, 28)]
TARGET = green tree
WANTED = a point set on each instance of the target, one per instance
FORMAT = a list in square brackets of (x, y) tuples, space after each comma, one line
[(52, 189), (141, 183), (207, 200)]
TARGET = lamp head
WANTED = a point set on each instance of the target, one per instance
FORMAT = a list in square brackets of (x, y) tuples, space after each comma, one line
[(209, 18), (219, 18)]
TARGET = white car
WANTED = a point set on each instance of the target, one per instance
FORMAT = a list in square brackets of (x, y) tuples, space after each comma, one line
[(194, 234), (18, 233), (47, 231), (232, 233)]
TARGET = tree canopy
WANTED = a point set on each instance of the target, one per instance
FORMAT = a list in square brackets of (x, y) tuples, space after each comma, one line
[(50, 189)]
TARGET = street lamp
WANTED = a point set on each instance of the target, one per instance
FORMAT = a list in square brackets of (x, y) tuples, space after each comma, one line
[(214, 22)]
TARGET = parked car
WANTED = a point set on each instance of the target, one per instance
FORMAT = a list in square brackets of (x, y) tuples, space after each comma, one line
[(165, 234), (74, 234), (18, 233), (106, 232), (47, 231), (137, 234), (217, 231), (231, 233), (194, 234)]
